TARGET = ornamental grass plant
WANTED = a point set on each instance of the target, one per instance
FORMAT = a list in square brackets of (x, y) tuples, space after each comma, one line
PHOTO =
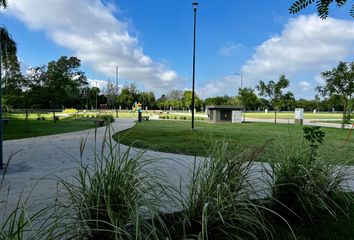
[(304, 185)]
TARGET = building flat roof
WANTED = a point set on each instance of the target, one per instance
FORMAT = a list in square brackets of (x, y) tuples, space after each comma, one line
[(228, 107)]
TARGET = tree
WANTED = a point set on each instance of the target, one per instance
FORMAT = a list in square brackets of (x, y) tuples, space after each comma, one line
[(187, 100), (287, 101), (274, 91), (162, 102), (340, 81), (249, 98), (7, 51), (13, 82), (147, 99), (322, 6)]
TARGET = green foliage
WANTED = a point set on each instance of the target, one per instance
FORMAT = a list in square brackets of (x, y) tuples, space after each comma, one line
[(218, 204), (249, 98), (108, 118), (315, 136), (322, 6), (117, 197), (304, 186), (8, 48), (340, 81), (274, 92)]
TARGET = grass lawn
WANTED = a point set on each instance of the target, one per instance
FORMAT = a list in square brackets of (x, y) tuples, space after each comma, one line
[(16, 127), (177, 137), (291, 115)]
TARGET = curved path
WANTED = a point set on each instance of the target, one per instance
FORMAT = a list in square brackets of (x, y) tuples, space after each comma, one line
[(39, 162), (36, 164)]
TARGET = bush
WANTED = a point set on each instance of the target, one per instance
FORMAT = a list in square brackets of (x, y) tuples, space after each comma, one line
[(218, 205), (116, 198), (107, 118), (303, 184), (70, 110)]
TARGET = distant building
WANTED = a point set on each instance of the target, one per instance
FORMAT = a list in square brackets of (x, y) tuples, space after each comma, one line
[(221, 113)]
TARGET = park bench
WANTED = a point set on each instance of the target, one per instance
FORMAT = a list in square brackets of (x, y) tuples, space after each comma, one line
[(6, 120), (146, 118), (98, 122)]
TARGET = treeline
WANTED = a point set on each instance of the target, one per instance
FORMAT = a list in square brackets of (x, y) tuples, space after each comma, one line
[(288, 103), (61, 84)]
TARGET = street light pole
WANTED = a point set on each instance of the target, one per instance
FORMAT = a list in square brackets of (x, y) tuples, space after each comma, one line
[(195, 7), (117, 67)]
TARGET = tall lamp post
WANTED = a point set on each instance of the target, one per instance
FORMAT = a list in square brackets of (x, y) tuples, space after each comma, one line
[(240, 74), (195, 7), (117, 67)]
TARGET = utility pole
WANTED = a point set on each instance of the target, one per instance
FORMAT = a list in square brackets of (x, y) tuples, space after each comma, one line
[(117, 67), (195, 7)]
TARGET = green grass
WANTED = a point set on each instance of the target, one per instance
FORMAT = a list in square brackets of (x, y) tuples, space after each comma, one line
[(177, 137), (16, 128), (291, 115)]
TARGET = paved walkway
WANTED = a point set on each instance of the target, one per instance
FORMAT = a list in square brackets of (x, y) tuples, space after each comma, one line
[(36, 164)]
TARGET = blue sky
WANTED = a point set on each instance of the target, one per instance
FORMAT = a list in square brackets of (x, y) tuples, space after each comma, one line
[(151, 41)]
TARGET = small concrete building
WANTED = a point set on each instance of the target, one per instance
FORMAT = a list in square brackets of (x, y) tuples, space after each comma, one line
[(221, 113)]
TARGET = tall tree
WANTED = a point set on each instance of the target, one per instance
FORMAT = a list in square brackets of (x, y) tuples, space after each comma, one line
[(322, 6), (7, 51), (274, 92), (249, 98), (340, 81)]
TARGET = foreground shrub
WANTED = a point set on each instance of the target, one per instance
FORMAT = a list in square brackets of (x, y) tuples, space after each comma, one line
[(117, 198), (303, 184), (108, 118), (218, 204)]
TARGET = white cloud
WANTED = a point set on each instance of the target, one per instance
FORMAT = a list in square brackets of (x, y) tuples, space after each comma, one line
[(101, 84), (305, 86), (230, 48), (96, 36), (228, 85), (306, 45)]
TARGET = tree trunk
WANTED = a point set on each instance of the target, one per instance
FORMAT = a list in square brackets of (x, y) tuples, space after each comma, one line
[(275, 115), (344, 113)]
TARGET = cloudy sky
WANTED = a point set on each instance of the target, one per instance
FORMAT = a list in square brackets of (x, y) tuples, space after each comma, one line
[(151, 41)]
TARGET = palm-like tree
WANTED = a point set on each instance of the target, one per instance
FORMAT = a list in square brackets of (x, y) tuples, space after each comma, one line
[(322, 6)]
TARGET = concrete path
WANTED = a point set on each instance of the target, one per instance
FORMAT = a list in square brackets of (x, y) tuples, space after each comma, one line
[(36, 164)]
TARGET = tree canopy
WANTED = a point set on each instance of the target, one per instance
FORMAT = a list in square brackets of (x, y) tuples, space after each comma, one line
[(340, 81), (321, 5), (274, 92)]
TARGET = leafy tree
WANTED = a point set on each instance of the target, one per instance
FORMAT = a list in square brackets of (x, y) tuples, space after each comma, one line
[(340, 81), (175, 99), (162, 102), (128, 96), (147, 99), (249, 99), (307, 105), (111, 95), (13, 82), (64, 82), (187, 100), (287, 101), (322, 6), (274, 92), (220, 100)]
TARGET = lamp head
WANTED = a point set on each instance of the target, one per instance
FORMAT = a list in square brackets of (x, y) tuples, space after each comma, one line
[(195, 5)]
